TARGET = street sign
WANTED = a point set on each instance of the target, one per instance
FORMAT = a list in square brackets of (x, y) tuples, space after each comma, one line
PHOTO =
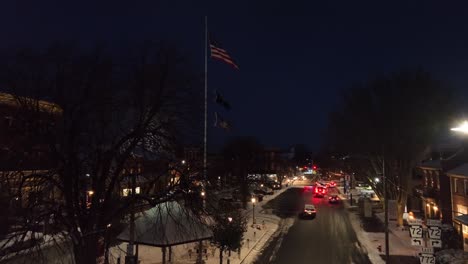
[(416, 231), (417, 242), (433, 222), (437, 243), (415, 221), (434, 232), (426, 259), (427, 250)]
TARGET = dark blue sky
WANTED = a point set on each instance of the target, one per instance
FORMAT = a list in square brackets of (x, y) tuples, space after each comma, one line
[(294, 56)]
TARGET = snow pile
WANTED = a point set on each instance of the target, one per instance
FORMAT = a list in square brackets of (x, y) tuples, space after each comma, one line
[(452, 256)]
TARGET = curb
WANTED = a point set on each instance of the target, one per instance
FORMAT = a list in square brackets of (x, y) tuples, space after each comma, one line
[(254, 246)]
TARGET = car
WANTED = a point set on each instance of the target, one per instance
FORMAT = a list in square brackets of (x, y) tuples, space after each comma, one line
[(322, 184), (229, 201), (320, 191), (263, 190), (273, 185), (334, 199), (309, 211)]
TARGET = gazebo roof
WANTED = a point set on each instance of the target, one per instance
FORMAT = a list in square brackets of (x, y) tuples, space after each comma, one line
[(167, 224)]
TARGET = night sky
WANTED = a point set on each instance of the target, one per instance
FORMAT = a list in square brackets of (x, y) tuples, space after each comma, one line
[(294, 56)]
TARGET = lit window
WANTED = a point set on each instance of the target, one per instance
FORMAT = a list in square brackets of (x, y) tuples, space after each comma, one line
[(461, 209), (128, 191), (465, 229)]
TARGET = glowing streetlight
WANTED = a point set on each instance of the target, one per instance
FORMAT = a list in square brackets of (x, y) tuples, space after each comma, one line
[(253, 210), (183, 161), (90, 193), (230, 219), (377, 179), (202, 193), (463, 128)]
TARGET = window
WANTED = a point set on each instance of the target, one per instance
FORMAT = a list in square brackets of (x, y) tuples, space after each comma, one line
[(465, 229), (128, 191), (455, 187), (461, 210), (466, 186)]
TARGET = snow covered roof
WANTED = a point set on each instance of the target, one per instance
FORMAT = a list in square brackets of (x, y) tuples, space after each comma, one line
[(462, 219), (459, 171), (167, 224), (431, 164)]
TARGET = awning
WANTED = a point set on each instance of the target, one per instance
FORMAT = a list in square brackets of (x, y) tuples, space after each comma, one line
[(462, 219), (167, 224)]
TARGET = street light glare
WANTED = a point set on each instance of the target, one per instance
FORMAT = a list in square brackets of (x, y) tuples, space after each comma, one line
[(462, 128)]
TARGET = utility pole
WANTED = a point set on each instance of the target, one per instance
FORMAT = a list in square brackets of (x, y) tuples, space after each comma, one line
[(130, 258), (384, 178)]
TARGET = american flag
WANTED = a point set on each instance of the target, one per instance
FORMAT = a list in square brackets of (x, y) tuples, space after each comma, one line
[(221, 54)]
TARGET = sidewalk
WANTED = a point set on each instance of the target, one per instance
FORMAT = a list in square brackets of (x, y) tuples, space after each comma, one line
[(399, 240), (255, 238)]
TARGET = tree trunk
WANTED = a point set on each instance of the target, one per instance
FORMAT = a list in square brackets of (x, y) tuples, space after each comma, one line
[(220, 256), (87, 251), (401, 208)]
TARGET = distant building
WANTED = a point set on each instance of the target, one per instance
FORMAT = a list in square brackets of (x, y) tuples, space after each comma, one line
[(459, 198), (27, 127)]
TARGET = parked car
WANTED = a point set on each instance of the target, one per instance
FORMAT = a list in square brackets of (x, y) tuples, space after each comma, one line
[(273, 185), (229, 202)]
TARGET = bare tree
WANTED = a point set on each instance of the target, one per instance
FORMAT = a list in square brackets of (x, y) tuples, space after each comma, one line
[(243, 155), (391, 119), (110, 111)]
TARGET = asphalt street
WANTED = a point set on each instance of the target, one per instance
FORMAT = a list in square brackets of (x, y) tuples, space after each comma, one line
[(328, 238)]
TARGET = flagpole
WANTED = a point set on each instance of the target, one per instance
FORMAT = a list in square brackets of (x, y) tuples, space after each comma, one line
[(206, 99)]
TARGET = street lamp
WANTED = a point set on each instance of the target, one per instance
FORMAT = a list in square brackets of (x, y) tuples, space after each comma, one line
[(230, 219), (463, 128), (253, 210), (377, 179), (183, 161)]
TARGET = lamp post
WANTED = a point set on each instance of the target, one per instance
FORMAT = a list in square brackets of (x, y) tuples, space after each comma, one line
[(384, 179), (463, 128), (253, 210), (203, 196)]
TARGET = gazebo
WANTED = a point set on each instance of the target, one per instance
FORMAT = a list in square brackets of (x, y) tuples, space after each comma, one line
[(165, 225)]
